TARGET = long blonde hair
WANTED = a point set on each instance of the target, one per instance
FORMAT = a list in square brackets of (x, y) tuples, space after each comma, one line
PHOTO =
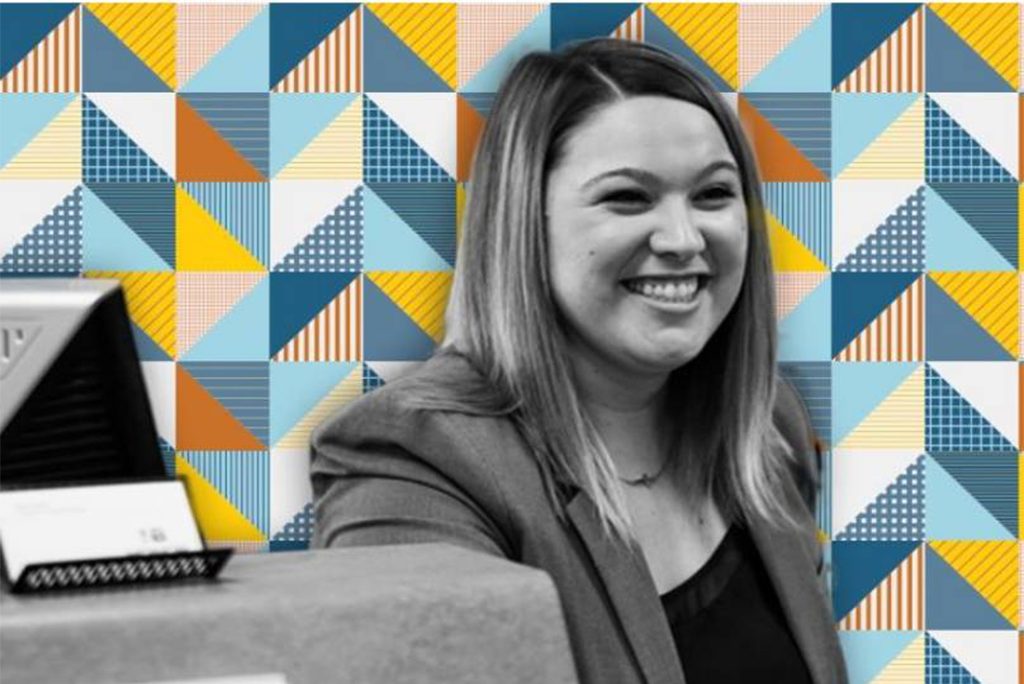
[(502, 317)]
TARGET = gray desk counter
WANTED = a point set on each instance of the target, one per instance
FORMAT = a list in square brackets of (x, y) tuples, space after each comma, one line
[(387, 614)]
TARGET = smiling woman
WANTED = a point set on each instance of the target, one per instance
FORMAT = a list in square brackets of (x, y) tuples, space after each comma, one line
[(606, 405)]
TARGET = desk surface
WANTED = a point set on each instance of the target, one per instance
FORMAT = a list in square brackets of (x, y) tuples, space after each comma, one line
[(420, 613)]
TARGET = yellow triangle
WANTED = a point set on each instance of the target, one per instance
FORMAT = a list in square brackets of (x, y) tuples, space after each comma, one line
[(896, 423), (345, 391), (427, 28), (991, 567), (218, 518), (897, 153), (990, 29), (788, 253), (205, 245), (149, 30), (422, 295), (55, 152), (336, 152), (152, 301), (991, 298), (908, 666), (709, 29)]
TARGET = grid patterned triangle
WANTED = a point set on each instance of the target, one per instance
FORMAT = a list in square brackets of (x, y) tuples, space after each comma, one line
[(941, 667), (895, 514), (897, 244), (371, 380), (334, 245), (953, 156), (390, 155), (53, 246), (109, 155), (952, 424)]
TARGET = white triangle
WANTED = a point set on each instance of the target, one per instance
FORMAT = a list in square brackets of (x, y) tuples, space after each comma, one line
[(990, 386), (859, 477), (25, 204), (989, 118), (859, 207), (989, 655), (161, 388), (298, 206), (418, 114), (289, 473), (146, 118)]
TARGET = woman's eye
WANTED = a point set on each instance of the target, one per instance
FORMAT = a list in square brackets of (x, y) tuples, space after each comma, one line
[(717, 193), (625, 197)]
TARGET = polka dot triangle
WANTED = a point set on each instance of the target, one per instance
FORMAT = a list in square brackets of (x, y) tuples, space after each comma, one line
[(334, 245), (52, 247), (299, 528), (896, 514), (896, 245)]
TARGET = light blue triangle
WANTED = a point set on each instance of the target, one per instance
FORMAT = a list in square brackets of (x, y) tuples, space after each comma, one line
[(803, 65), (389, 244), (296, 388), (951, 244), (108, 244), (859, 118), (241, 66), (867, 653), (952, 513), (296, 119), (863, 386), (802, 337), (535, 36), (243, 334), (24, 116)]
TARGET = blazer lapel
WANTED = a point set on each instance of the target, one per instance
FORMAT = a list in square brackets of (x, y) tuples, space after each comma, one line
[(631, 589), (805, 608)]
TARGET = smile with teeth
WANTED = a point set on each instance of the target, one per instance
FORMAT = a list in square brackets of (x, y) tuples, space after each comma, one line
[(679, 290)]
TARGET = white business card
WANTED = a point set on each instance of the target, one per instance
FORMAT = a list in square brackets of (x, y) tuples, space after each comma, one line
[(78, 523)]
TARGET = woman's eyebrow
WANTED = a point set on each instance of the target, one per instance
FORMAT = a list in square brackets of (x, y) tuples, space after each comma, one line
[(646, 177)]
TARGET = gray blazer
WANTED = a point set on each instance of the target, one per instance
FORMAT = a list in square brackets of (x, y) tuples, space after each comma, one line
[(386, 473)]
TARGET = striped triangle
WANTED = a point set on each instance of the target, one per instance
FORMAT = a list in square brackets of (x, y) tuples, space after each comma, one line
[(296, 389), (992, 479), (858, 568), (241, 119), (55, 152), (218, 518), (296, 119), (895, 603), (954, 335), (110, 244), (428, 209), (865, 27), (296, 29), (52, 65), (152, 303), (805, 210), (203, 154), (335, 333), (788, 253), (710, 29), (108, 65), (804, 120), (896, 245), (953, 244), (898, 152), (392, 65), (990, 567), (336, 244), (778, 159), (897, 422), (149, 30), (334, 65), (422, 296), (348, 390), (391, 244), (954, 513), (242, 388), (991, 209), (295, 298), (335, 152), (990, 30), (896, 65), (242, 477), (908, 666), (204, 423), (428, 29), (22, 27), (660, 34), (390, 335), (954, 424), (205, 245), (992, 299)]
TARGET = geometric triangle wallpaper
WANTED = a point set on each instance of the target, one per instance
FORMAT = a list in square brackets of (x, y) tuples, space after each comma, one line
[(278, 186)]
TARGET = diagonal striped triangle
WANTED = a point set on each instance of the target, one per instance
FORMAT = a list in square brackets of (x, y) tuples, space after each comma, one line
[(335, 152), (149, 30), (710, 29), (429, 31), (421, 295), (991, 567), (788, 253), (991, 298), (897, 422), (242, 477), (898, 152), (55, 152), (990, 30), (218, 518), (346, 391)]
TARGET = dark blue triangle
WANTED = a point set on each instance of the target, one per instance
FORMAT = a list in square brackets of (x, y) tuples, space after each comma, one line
[(941, 667), (657, 33), (146, 208), (167, 456), (951, 423), (297, 28), (295, 298), (952, 603), (857, 29), (109, 155), (858, 567), (991, 478), (108, 65), (22, 26), (371, 380), (857, 298), (571, 21), (952, 66), (389, 65), (952, 334), (388, 333), (427, 208)]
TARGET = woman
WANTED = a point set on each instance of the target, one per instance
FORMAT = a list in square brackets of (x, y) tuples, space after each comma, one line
[(604, 405)]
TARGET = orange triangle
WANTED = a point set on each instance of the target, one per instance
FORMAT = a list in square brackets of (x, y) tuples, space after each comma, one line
[(203, 423), (205, 156), (470, 124), (777, 158)]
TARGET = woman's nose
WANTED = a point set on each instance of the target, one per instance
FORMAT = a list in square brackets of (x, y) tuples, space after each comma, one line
[(676, 231)]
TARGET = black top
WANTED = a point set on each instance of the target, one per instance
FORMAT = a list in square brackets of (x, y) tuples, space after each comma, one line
[(727, 622)]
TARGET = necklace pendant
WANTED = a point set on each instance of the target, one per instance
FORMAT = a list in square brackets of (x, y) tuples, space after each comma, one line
[(646, 480)]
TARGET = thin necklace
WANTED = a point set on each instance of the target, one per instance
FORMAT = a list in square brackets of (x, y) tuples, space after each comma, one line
[(647, 479)]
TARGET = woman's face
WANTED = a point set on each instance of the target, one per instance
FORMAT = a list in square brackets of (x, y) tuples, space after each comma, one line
[(647, 234)]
